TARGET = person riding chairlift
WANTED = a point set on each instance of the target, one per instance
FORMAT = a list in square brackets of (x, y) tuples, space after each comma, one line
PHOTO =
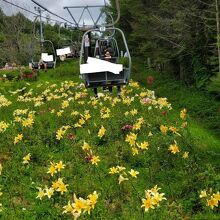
[(107, 57), (42, 63)]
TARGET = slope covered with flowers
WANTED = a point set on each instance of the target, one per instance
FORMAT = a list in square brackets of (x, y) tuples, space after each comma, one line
[(66, 154)]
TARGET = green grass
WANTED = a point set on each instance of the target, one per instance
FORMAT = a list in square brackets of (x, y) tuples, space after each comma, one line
[(180, 179), (206, 138), (10, 74), (200, 104)]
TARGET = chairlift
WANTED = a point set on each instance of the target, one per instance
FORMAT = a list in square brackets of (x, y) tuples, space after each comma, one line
[(48, 59), (66, 51), (97, 71), (44, 59), (67, 48), (101, 70)]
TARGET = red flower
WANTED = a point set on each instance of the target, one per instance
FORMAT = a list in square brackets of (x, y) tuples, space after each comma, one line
[(150, 80), (71, 136), (164, 113), (126, 127), (88, 159)]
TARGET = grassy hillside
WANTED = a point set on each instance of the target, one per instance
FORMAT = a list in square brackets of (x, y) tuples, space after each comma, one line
[(64, 153), (202, 106)]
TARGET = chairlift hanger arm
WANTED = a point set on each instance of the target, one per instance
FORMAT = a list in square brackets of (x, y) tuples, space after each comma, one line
[(118, 15), (63, 38), (100, 15)]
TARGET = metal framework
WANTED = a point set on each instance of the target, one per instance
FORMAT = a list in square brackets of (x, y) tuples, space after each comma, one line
[(85, 9)]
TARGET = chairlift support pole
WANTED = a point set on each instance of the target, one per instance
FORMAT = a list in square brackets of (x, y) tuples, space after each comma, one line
[(39, 10)]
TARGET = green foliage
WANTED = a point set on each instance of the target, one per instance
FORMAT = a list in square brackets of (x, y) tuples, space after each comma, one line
[(124, 61), (214, 85), (201, 73), (18, 44), (2, 37), (10, 74), (179, 35), (27, 71), (200, 104)]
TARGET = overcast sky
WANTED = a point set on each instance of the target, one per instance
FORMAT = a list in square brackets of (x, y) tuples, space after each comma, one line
[(55, 6)]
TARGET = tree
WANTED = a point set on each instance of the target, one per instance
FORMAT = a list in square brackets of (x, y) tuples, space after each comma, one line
[(178, 35)]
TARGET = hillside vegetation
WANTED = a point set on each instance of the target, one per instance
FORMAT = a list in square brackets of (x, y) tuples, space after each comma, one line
[(181, 37), (202, 106), (18, 44), (66, 154)]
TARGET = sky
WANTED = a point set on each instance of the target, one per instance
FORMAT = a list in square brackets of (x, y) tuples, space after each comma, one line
[(55, 6)]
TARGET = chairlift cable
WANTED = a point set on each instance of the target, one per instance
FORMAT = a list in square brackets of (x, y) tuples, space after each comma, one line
[(24, 9), (19, 7), (51, 12)]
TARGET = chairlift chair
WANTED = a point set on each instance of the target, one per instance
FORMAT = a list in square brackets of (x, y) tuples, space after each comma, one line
[(65, 48), (97, 72), (68, 51), (48, 59)]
